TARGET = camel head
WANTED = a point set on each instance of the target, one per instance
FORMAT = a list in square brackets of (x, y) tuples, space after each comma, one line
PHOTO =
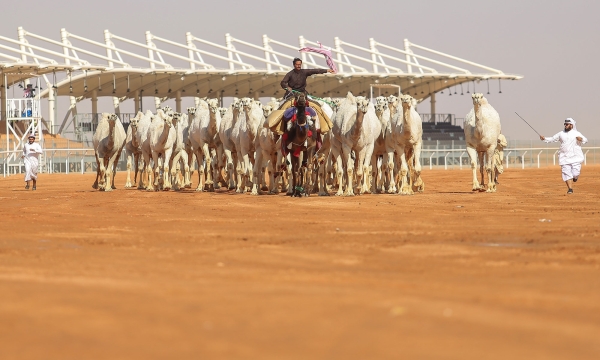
[(337, 102), (267, 110), (112, 118), (176, 117), (134, 122), (222, 111), (168, 121), (246, 103), (362, 104), (191, 111), (478, 99), (166, 109), (392, 100), (213, 105), (407, 101)]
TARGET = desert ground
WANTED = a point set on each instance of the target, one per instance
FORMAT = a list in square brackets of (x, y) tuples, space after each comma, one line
[(447, 274)]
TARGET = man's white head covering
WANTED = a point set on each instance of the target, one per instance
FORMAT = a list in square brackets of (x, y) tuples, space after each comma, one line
[(572, 122)]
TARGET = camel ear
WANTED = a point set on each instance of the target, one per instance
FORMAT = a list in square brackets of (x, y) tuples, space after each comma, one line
[(351, 98)]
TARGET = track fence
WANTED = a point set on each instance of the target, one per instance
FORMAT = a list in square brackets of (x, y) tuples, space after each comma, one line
[(435, 155)]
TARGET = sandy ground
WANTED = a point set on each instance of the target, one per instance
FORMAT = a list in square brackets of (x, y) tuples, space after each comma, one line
[(448, 274)]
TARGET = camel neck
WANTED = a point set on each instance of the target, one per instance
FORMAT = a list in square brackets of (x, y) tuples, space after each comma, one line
[(406, 118), (111, 134), (360, 116), (165, 134)]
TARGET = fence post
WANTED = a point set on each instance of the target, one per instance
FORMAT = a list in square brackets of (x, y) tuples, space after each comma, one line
[(539, 158), (446, 161), (508, 159), (430, 161), (585, 157), (523, 160), (554, 157), (461, 155)]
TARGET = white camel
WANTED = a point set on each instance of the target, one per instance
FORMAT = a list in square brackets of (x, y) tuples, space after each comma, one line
[(482, 128), (108, 141), (267, 148), (204, 137), (228, 123), (383, 147), (141, 137), (161, 136), (178, 153), (407, 135), (244, 135), (355, 129), (133, 150)]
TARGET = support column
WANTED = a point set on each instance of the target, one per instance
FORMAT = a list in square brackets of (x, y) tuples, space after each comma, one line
[(136, 102), (157, 102), (117, 106), (196, 101), (256, 96), (52, 108), (3, 100), (94, 102), (432, 100), (178, 101), (73, 108)]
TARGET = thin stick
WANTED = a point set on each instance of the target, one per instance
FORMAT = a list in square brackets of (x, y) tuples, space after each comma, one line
[(528, 124)]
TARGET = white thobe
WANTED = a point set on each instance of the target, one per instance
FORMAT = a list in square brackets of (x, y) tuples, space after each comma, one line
[(570, 148), (30, 157)]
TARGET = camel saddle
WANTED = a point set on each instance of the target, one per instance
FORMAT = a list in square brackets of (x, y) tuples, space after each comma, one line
[(276, 117)]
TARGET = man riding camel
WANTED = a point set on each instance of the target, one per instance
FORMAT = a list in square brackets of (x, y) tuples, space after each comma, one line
[(296, 78)]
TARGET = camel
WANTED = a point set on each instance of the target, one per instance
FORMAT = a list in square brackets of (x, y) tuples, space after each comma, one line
[(161, 137), (383, 147), (355, 129), (244, 135), (482, 128), (187, 142), (407, 136), (228, 123), (133, 150), (141, 138), (267, 148), (180, 122), (204, 136), (108, 141)]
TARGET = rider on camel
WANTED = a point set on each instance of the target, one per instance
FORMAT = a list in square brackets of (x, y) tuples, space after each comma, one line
[(296, 78)]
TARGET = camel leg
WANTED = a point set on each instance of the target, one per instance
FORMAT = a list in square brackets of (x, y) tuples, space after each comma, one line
[(349, 164), (489, 168), (113, 168), (473, 157), (256, 171), (481, 157), (404, 183), (129, 166), (95, 185), (230, 169), (145, 168), (365, 170), (390, 170), (184, 161), (377, 182), (208, 166), (152, 170), (200, 161), (136, 160), (174, 169), (418, 184)]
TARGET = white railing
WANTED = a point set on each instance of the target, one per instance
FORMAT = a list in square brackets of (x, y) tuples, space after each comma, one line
[(526, 157), (80, 159)]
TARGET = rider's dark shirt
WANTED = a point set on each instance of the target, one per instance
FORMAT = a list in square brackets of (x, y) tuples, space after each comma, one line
[(296, 79)]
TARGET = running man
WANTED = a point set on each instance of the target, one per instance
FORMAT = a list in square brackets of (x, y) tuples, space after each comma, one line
[(570, 155), (31, 151)]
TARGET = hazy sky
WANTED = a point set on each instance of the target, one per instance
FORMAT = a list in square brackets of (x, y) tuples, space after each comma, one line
[(554, 45)]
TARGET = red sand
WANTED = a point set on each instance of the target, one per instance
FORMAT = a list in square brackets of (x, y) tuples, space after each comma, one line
[(448, 274)]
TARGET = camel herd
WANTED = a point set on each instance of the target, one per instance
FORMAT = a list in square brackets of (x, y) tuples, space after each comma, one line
[(373, 147)]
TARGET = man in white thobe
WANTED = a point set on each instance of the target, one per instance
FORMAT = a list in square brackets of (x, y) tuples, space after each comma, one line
[(570, 155), (31, 152)]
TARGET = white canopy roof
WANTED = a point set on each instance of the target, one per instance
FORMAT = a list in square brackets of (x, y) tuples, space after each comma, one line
[(133, 69)]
